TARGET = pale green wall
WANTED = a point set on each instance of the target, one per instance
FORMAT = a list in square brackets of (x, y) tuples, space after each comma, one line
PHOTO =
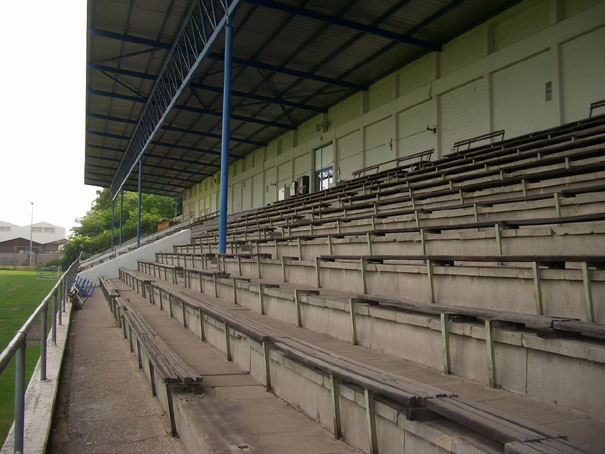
[(492, 77)]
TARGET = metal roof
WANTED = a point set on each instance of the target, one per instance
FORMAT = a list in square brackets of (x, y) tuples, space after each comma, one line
[(292, 59)]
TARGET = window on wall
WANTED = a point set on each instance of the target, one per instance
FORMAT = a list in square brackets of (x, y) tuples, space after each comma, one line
[(324, 167)]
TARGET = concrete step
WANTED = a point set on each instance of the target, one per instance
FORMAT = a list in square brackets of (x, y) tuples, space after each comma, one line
[(505, 285), (582, 238), (422, 335), (234, 412), (373, 358)]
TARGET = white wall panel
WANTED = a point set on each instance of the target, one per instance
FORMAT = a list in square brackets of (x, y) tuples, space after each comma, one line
[(247, 194), (416, 74), (213, 204), (236, 189), (519, 104), (350, 154), (464, 114), (521, 21), (302, 165), (378, 147), (412, 135), (461, 51), (583, 74), (381, 92), (270, 185), (284, 174), (258, 190)]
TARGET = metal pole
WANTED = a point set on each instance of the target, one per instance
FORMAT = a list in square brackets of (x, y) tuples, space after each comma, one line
[(121, 210), (176, 204), (222, 242), (19, 398), (43, 319), (54, 319), (113, 215), (31, 234), (139, 211)]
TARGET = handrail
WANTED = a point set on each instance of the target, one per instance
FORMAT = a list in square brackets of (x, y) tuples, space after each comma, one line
[(595, 105), (425, 156), (57, 298)]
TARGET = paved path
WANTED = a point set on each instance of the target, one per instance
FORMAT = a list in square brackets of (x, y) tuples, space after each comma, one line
[(104, 403)]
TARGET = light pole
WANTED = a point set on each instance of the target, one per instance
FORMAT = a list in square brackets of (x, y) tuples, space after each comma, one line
[(31, 230)]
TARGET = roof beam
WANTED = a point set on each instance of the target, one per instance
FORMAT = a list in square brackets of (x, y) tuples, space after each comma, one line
[(241, 94), (129, 38), (149, 175), (157, 156), (291, 72), (406, 39), (255, 97), (146, 164), (175, 129), (108, 94), (103, 175), (121, 71), (215, 113), (160, 143), (107, 134), (128, 186), (190, 47), (199, 110), (212, 135)]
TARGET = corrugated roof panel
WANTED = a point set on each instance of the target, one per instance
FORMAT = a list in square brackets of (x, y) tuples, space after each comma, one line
[(267, 35)]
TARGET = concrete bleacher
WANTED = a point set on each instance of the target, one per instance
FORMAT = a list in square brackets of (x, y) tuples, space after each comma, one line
[(456, 306)]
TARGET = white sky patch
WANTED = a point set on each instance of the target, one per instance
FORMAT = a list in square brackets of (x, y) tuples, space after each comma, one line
[(42, 113)]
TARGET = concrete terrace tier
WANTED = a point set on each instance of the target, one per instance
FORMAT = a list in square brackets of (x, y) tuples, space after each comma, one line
[(298, 385)]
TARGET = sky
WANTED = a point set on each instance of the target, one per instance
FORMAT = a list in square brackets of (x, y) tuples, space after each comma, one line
[(42, 114)]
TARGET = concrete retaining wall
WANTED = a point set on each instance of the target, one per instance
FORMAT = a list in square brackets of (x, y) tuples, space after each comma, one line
[(525, 363), (129, 260), (309, 390), (505, 288)]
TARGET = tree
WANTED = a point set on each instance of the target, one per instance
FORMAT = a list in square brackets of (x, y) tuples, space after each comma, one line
[(93, 234)]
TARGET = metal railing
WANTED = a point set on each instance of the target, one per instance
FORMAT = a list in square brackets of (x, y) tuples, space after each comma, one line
[(57, 298)]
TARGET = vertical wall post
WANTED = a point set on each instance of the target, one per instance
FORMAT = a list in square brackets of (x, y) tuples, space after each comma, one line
[(139, 209), (121, 211), (222, 240)]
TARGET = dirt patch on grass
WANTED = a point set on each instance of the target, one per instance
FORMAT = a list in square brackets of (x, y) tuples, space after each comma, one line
[(12, 289), (14, 308)]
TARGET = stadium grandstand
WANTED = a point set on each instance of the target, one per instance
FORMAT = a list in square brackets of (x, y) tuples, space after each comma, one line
[(394, 220)]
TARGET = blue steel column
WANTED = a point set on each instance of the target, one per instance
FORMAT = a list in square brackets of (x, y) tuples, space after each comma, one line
[(222, 232), (139, 212), (113, 216), (121, 210)]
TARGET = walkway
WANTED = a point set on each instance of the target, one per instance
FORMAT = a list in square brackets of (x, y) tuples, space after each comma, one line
[(104, 404)]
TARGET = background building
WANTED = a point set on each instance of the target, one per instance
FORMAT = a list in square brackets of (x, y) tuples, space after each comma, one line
[(14, 243)]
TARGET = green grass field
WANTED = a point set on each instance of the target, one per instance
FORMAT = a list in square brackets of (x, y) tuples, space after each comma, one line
[(20, 294)]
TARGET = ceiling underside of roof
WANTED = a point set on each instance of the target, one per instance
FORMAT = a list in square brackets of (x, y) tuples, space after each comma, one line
[(292, 59)]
